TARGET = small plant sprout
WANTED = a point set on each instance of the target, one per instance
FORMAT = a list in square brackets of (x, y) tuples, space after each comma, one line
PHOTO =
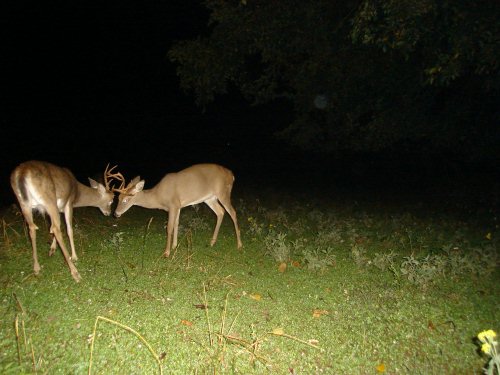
[(489, 347)]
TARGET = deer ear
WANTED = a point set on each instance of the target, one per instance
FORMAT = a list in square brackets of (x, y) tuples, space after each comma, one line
[(139, 186), (134, 181), (93, 183), (96, 185)]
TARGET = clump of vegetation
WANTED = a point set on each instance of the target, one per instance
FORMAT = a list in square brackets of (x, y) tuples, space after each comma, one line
[(426, 269), (277, 246), (318, 258), (255, 228), (358, 254), (314, 256)]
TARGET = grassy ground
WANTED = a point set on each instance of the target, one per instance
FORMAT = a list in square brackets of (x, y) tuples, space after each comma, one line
[(338, 287)]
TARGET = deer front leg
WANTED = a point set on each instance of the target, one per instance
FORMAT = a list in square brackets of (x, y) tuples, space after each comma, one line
[(172, 227)]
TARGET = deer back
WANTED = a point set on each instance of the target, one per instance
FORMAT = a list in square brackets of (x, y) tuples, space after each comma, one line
[(195, 184), (39, 184)]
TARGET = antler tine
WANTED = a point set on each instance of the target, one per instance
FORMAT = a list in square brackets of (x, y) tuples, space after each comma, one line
[(117, 175), (120, 177), (106, 176)]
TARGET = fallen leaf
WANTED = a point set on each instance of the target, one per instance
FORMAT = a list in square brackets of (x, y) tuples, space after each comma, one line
[(431, 325), (296, 263), (380, 368), (186, 323), (317, 313), (278, 331), (201, 306), (282, 267), (256, 297)]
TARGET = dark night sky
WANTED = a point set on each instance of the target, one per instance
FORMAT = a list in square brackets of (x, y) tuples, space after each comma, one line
[(84, 85), (95, 84)]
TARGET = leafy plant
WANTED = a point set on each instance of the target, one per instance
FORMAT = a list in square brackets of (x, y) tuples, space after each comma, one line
[(358, 254), (422, 271), (277, 247), (384, 261), (198, 223), (255, 227), (318, 258)]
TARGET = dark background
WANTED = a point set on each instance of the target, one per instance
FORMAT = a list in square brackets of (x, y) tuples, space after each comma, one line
[(88, 84)]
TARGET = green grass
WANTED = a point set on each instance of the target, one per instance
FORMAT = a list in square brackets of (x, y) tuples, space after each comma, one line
[(341, 306)]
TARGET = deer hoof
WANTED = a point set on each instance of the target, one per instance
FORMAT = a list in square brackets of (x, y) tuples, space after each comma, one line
[(76, 276)]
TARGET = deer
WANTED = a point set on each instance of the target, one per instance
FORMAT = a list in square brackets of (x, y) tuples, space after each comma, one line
[(208, 183), (49, 189)]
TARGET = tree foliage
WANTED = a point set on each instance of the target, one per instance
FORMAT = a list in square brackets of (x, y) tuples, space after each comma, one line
[(361, 75)]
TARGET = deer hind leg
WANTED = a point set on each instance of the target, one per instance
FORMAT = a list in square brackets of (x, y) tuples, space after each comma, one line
[(53, 246), (28, 216), (219, 211), (55, 229), (226, 202)]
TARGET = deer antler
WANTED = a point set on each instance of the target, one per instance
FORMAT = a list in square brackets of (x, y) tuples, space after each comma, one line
[(109, 176)]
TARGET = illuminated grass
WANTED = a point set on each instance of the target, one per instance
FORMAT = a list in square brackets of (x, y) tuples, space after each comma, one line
[(215, 309)]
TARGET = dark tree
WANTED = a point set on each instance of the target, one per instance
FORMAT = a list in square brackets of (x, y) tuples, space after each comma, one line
[(361, 75)]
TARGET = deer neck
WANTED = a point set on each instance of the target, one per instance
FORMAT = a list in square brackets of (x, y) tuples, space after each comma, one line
[(147, 199), (86, 196)]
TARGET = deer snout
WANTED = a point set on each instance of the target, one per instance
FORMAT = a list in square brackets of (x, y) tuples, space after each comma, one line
[(117, 214), (106, 212)]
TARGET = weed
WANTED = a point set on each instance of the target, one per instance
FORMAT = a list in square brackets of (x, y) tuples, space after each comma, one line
[(358, 254), (318, 258), (198, 224), (277, 246), (422, 271), (255, 227), (218, 349), (116, 243), (384, 261)]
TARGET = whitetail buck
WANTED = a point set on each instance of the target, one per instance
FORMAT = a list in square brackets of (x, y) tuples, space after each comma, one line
[(50, 189), (209, 183)]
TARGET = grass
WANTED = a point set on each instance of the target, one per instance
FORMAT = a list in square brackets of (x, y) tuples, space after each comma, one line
[(319, 287)]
